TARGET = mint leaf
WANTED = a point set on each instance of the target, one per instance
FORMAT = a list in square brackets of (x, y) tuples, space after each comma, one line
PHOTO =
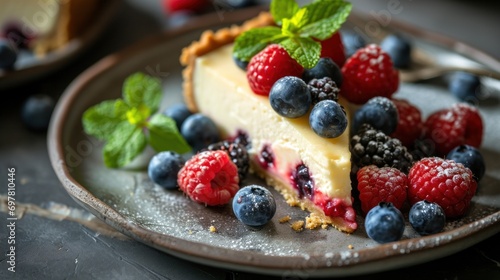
[(125, 143), (127, 125), (305, 51), (140, 89), (299, 19), (138, 115), (253, 41), (283, 9), (164, 136), (299, 26), (101, 119), (323, 18)]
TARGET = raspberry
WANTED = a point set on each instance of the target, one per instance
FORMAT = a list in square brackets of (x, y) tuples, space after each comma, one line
[(445, 182), (369, 73), (334, 49), (410, 124), (384, 184), (458, 125), (238, 154), (370, 146), (323, 89), (210, 178), (172, 6), (268, 66)]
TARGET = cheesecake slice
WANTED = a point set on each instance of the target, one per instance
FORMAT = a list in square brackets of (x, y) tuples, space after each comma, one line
[(310, 171), (52, 23)]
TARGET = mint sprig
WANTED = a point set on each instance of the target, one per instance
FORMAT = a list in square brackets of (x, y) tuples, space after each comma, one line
[(283, 9), (299, 30), (129, 124)]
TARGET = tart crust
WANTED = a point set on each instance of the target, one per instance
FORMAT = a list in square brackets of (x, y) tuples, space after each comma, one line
[(210, 41)]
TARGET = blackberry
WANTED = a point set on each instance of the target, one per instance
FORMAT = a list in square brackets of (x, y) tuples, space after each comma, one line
[(242, 138), (422, 148), (370, 146), (323, 89), (238, 154)]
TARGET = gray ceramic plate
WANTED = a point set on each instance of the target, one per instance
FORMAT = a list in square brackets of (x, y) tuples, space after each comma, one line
[(28, 67), (127, 200)]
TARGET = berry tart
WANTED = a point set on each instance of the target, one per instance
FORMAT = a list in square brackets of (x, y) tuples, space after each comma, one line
[(310, 171), (44, 26)]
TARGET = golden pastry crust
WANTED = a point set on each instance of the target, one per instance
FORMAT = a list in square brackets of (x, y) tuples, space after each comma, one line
[(316, 217), (210, 41)]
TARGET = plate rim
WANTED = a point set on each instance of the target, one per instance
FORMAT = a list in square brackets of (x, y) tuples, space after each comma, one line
[(223, 257)]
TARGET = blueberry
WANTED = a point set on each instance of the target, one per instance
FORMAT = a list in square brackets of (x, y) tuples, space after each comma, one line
[(180, 18), (254, 205), (379, 112), (465, 87), (399, 49), (427, 217), (199, 131), (303, 181), (178, 112), (328, 119), (163, 169), (384, 223), (36, 112), (352, 42), (8, 54), (471, 158), (324, 68), (290, 97), (240, 3), (240, 63)]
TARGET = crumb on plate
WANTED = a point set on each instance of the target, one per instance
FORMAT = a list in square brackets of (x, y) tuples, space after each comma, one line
[(213, 229), (313, 221), (285, 219), (298, 226)]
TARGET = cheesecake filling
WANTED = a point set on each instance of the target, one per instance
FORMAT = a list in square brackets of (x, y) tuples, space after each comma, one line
[(50, 23), (313, 168)]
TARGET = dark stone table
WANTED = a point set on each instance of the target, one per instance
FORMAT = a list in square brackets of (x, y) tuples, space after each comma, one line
[(49, 246)]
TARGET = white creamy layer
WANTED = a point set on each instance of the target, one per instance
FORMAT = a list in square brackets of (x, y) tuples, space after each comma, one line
[(222, 92), (35, 17)]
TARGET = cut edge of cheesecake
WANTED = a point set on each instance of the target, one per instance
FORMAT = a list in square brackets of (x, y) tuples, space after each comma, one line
[(210, 41)]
